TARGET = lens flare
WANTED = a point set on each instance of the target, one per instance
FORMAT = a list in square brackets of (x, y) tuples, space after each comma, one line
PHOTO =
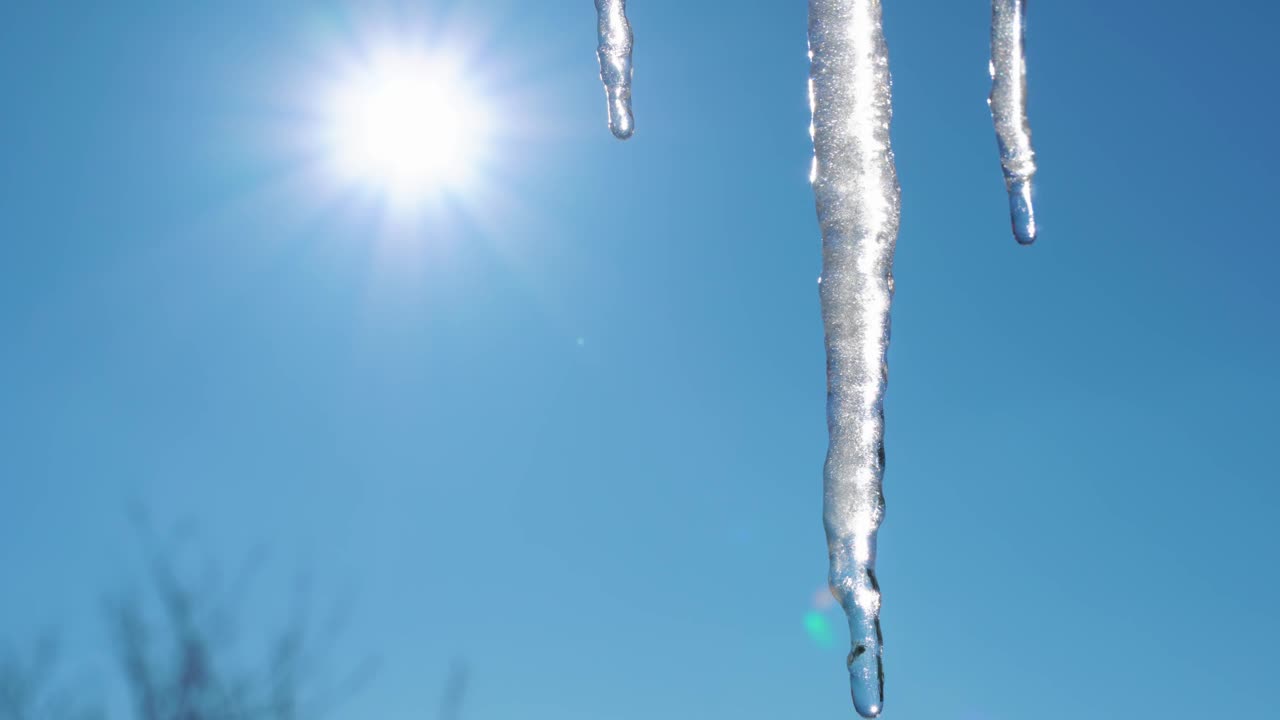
[(818, 628)]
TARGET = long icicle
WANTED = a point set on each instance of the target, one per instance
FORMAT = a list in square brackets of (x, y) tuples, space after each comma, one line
[(615, 64), (855, 185), (1008, 103)]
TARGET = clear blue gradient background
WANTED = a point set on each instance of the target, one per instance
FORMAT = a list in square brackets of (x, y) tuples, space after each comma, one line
[(1081, 483)]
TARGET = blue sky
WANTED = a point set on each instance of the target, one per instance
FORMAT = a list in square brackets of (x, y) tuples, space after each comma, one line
[(570, 427)]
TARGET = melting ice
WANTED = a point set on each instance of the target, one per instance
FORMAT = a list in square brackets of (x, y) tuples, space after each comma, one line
[(1009, 111), (855, 185), (614, 53), (856, 190)]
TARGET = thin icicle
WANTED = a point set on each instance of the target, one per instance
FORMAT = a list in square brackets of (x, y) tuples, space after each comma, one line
[(856, 188), (1008, 103), (615, 64)]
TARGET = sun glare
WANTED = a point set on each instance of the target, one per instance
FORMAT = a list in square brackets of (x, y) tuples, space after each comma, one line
[(406, 124)]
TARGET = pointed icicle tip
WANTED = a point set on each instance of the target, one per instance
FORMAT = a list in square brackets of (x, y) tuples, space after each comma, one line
[(866, 697), (621, 122), (1022, 212), (866, 677)]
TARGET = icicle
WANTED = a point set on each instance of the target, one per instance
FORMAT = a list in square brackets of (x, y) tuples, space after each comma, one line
[(615, 64), (856, 188), (1008, 103)]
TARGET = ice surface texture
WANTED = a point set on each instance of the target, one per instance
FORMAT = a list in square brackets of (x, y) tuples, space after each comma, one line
[(1008, 103), (615, 64), (856, 188)]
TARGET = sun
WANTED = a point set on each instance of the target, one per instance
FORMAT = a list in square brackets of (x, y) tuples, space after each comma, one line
[(406, 123)]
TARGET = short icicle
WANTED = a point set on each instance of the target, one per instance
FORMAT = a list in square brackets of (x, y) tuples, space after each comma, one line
[(615, 64), (1008, 103), (855, 186)]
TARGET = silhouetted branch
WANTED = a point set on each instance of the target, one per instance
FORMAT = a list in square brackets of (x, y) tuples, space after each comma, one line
[(27, 689), (455, 691), (174, 642)]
